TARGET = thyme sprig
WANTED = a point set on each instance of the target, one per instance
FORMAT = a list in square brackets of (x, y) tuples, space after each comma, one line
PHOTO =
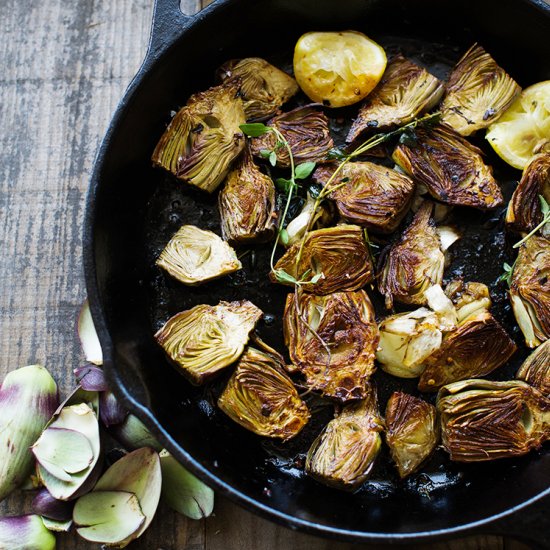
[(506, 277)]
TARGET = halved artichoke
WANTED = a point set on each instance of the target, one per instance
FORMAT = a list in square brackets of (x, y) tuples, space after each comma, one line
[(372, 195), (332, 340), (194, 256), (412, 431), (261, 397), (203, 138), (247, 204), (530, 290), (405, 91), (536, 369), (339, 255), (306, 131), (485, 420), (205, 339), (478, 92), (320, 217), (344, 453), (264, 88), (468, 298), (524, 209), (450, 167)]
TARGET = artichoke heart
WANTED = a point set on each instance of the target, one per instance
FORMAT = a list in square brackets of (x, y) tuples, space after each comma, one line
[(264, 88), (478, 346), (205, 339), (344, 453), (450, 167), (306, 131), (369, 195), (485, 420), (524, 209), (332, 341), (247, 204), (536, 369), (194, 256), (260, 397), (530, 290), (203, 138), (412, 431), (337, 255), (405, 92), (478, 92)]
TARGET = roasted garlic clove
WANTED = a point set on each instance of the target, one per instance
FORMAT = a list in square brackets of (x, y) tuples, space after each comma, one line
[(536, 369), (468, 298)]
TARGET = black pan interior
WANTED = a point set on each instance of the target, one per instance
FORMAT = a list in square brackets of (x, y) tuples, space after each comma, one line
[(138, 208)]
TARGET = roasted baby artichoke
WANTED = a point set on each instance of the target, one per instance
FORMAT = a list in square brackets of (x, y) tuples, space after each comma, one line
[(306, 131), (194, 256), (312, 216), (530, 290), (478, 92), (203, 138), (344, 453), (412, 431), (536, 369), (264, 88), (450, 167), (261, 397), (369, 195), (468, 298), (205, 339), (332, 340), (405, 91), (485, 420), (337, 255), (524, 209), (247, 204)]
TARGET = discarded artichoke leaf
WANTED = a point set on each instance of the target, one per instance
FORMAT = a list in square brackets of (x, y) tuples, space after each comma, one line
[(25, 533), (485, 420), (477, 347), (412, 431), (524, 209), (247, 204), (478, 92), (306, 131), (536, 369), (132, 434), (261, 397), (264, 88), (332, 341), (194, 256), (204, 138), (405, 92), (56, 525), (530, 290), (49, 507), (205, 339), (344, 453), (372, 195), (91, 378), (320, 217), (87, 334), (450, 167), (338, 255), (469, 299)]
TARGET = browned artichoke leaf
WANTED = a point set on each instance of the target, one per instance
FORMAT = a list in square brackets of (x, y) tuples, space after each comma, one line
[(405, 91), (536, 369), (332, 341), (306, 131), (344, 453), (478, 92), (478, 346), (414, 262), (450, 167), (205, 339), (369, 195), (412, 431), (264, 87), (339, 255), (468, 298), (203, 138), (247, 204), (485, 420), (260, 397), (194, 256), (530, 290), (524, 209)]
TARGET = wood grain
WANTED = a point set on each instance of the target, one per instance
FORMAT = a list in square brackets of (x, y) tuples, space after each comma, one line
[(65, 66)]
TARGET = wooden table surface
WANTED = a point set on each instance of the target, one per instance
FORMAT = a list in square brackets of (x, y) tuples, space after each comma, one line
[(65, 65)]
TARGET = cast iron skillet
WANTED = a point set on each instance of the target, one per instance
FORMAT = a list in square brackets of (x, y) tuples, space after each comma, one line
[(133, 209)]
